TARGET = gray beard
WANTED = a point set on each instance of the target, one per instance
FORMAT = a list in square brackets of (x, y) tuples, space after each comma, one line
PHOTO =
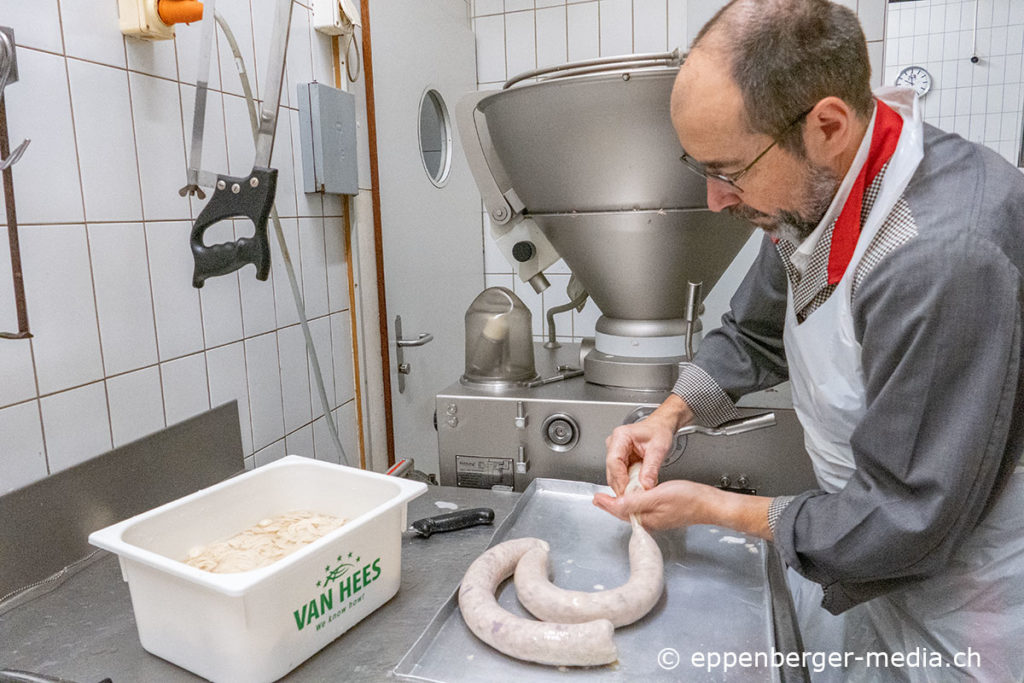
[(819, 187), (792, 233)]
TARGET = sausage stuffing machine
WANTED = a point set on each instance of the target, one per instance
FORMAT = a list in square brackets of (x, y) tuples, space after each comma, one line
[(580, 162)]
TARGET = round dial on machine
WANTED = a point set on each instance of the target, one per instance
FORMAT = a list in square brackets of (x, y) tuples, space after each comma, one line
[(561, 432), (916, 77)]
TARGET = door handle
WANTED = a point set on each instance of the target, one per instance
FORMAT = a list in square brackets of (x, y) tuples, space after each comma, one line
[(423, 338), (403, 367)]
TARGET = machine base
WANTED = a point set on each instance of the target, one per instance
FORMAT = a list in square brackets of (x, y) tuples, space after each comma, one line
[(640, 374), (508, 438)]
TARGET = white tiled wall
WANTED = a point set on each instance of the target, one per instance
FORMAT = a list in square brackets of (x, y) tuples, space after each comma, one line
[(513, 36), (981, 101), (123, 345)]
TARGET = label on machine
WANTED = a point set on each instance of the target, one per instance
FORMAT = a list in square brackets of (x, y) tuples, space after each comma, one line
[(478, 472)]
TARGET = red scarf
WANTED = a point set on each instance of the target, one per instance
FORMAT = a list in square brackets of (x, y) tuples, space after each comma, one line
[(888, 125)]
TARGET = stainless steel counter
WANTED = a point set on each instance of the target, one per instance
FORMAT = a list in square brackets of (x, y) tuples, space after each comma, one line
[(84, 629)]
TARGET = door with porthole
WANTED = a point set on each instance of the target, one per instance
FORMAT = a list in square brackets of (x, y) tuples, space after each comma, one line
[(424, 60)]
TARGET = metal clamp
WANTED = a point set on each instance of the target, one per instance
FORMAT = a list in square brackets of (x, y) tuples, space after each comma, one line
[(488, 174)]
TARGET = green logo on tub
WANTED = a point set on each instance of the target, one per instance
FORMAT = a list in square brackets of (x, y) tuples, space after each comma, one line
[(342, 585)]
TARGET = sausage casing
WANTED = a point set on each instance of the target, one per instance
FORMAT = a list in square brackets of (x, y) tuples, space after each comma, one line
[(560, 644)]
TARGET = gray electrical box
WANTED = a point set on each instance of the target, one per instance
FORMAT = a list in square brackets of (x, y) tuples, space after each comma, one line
[(327, 133)]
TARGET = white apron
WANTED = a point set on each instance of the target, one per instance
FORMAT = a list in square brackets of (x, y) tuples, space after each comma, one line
[(976, 605)]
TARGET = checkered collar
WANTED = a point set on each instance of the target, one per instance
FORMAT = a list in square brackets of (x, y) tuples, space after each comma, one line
[(808, 265), (810, 284)]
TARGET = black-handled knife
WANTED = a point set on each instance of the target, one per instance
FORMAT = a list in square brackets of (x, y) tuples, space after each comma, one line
[(452, 521)]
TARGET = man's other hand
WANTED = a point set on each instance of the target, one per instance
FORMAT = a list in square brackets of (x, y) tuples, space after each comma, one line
[(647, 441), (673, 504)]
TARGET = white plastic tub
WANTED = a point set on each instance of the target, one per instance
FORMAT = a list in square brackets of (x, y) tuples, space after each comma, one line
[(259, 625)]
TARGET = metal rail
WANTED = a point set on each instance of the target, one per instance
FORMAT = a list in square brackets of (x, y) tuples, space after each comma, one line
[(600, 64)]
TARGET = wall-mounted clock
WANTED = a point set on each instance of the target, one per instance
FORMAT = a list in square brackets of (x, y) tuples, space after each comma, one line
[(916, 77)]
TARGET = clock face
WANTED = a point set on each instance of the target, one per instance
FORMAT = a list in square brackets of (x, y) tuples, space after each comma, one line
[(915, 77)]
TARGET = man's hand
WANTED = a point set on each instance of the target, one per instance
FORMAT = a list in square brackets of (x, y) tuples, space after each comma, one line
[(649, 441), (670, 505), (680, 503)]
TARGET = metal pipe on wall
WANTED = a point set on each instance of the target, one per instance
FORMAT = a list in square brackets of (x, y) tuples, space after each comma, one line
[(378, 247)]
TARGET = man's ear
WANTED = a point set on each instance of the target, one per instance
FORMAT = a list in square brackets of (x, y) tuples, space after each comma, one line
[(829, 130)]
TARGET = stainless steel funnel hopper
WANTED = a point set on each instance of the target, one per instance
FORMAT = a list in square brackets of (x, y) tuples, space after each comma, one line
[(586, 166)]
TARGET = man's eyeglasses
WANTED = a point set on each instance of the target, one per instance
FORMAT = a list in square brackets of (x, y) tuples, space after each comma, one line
[(731, 179)]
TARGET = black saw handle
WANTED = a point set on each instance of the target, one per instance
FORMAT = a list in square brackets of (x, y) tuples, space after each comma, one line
[(453, 521), (251, 197)]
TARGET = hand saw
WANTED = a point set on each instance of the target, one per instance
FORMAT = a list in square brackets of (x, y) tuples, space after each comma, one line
[(250, 196)]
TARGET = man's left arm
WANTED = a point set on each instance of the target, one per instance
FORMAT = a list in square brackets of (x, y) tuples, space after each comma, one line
[(940, 326), (680, 502), (943, 429)]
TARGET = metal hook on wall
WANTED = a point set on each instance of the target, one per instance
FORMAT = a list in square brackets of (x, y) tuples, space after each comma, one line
[(8, 75)]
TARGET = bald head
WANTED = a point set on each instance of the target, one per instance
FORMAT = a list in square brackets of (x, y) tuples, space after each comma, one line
[(707, 107), (779, 57)]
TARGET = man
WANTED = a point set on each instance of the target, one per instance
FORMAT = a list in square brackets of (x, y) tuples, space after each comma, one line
[(889, 292)]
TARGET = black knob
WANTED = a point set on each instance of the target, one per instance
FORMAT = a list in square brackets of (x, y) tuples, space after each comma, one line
[(974, 59), (523, 251)]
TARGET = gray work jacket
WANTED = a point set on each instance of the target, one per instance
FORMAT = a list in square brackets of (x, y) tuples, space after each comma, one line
[(939, 321)]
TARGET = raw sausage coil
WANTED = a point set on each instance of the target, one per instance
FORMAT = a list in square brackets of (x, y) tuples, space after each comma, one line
[(560, 644), (623, 605)]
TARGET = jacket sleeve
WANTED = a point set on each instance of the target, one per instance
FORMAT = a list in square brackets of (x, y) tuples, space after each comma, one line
[(745, 353), (939, 322)]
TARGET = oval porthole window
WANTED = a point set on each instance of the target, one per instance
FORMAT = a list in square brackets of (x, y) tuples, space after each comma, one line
[(435, 137)]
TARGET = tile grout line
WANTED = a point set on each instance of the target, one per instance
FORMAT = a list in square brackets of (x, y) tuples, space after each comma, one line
[(88, 248), (143, 224), (32, 354)]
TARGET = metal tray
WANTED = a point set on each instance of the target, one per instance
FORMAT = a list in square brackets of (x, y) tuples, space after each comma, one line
[(716, 602)]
